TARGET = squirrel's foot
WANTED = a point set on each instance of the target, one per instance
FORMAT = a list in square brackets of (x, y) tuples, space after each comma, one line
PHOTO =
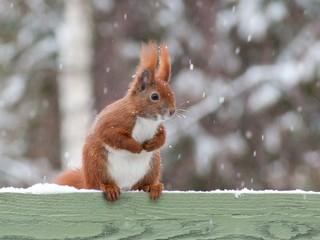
[(154, 190), (111, 191)]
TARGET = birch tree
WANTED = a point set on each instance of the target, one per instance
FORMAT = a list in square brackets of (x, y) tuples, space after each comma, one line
[(75, 85)]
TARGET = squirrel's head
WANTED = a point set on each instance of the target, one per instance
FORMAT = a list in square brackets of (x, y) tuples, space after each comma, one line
[(150, 90)]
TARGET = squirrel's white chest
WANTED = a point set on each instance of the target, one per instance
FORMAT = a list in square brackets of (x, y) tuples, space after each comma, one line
[(127, 168), (144, 129)]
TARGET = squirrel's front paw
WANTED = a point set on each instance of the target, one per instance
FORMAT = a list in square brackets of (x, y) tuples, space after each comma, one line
[(136, 148), (111, 191), (150, 145)]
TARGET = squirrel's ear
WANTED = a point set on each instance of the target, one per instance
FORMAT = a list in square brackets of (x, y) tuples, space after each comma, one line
[(145, 74), (145, 80), (164, 70)]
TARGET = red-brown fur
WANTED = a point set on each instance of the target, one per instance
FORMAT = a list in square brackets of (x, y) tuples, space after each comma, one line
[(72, 178), (114, 125)]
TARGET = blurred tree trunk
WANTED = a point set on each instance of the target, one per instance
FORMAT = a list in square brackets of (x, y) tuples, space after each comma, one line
[(75, 85)]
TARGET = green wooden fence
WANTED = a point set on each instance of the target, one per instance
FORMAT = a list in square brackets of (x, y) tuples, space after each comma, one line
[(216, 215)]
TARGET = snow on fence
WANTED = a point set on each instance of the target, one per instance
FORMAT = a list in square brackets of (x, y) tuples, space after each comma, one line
[(47, 211)]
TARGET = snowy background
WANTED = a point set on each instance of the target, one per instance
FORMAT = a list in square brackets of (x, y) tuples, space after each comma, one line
[(246, 76)]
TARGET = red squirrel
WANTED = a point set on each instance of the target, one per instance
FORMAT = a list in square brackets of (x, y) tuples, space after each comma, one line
[(121, 151)]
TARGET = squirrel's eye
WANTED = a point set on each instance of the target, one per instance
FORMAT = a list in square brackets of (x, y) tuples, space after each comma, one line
[(154, 96)]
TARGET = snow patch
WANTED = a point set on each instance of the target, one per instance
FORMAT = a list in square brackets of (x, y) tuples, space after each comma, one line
[(45, 188), (239, 193), (49, 188)]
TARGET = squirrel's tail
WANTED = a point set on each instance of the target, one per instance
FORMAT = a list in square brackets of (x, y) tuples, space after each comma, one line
[(73, 178)]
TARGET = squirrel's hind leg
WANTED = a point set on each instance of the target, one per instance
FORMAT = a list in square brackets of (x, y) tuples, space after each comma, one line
[(96, 175), (151, 181)]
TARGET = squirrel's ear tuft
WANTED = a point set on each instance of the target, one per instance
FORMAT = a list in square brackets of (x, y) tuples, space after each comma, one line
[(145, 74), (164, 71)]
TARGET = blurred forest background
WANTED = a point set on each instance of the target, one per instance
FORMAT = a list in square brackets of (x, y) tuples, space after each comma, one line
[(246, 76)]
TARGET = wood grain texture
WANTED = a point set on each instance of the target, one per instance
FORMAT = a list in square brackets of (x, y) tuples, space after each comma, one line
[(173, 216)]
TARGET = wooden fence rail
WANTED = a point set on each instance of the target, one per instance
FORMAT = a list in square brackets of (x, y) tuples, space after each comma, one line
[(214, 215)]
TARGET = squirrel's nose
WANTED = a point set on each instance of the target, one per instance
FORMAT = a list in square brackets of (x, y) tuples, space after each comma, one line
[(172, 111)]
